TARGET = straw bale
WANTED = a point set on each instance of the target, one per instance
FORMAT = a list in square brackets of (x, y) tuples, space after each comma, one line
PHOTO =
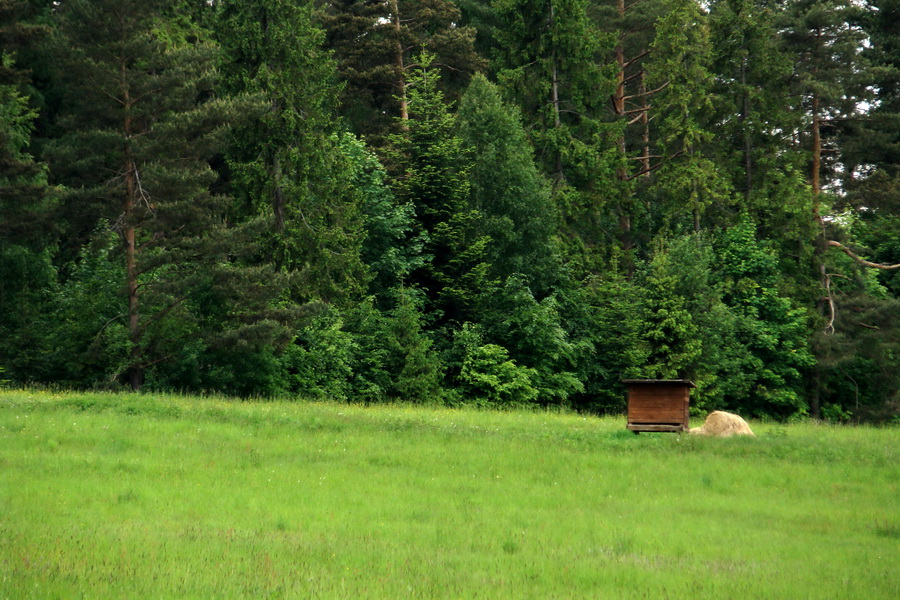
[(723, 424)]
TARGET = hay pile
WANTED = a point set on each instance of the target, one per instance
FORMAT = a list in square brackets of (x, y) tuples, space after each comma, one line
[(723, 424)]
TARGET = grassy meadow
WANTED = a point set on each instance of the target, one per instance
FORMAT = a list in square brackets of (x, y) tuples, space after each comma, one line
[(143, 496)]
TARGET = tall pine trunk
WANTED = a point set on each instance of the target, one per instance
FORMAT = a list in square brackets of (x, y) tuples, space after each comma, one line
[(135, 370), (401, 66)]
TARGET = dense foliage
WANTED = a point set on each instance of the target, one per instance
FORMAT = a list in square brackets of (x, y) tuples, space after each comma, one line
[(508, 203)]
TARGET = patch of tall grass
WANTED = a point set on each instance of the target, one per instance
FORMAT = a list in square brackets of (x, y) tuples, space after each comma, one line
[(150, 496)]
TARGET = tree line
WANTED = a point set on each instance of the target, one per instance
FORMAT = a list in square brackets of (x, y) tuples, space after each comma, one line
[(501, 203)]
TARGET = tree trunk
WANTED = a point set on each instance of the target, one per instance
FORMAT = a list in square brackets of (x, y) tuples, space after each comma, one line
[(273, 163), (135, 369), (816, 149), (745, 114), (645, 124), (277, 194), (619, 97), (625, 238), (401, 66), (554, 96)]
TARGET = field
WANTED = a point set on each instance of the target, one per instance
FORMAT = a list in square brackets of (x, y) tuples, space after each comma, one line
[(142, 496)]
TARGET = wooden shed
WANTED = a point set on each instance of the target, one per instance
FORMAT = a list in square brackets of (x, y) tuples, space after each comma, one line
[(658, 404)]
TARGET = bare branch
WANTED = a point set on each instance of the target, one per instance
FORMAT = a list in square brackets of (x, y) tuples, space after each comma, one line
[(860, 260), (652, 168), (634, 120), (832, 313), (628, 63), (648, 92)]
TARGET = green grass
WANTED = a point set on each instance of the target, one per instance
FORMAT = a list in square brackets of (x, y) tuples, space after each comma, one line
[(106, 496)]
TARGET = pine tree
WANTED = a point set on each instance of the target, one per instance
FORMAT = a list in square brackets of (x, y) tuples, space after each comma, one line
[(832, 79), (871, 146), (141, 123), (826, 47)]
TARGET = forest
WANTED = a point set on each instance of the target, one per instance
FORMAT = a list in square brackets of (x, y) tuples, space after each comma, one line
[(506, 203)]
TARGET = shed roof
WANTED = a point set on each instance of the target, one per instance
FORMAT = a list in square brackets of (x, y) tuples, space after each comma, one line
[(686, 382)]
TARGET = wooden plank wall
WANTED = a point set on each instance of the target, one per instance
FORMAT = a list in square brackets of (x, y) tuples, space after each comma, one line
[(659, 403)]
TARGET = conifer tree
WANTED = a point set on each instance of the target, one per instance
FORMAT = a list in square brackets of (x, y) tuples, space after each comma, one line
[(832, 79), (549, 64), (376, 44), (435, 180), (750, 94), (507, 190), (287, 164), (392, 249), (688, 182), (633, 23), (140, 125), (826, 47)]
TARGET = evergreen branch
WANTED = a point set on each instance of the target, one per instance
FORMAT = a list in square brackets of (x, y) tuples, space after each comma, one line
[(158, 235)]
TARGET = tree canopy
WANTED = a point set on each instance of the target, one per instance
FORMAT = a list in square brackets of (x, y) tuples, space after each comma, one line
[(508, 203)]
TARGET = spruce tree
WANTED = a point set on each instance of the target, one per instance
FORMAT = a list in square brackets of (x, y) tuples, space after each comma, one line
[(549, 65), (750, 95), (287, 164), (435, 180), (507, 190), (376, 44), (688, 183)]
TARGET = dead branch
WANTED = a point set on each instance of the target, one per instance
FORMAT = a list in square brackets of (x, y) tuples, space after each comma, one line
[(628, 63), (832, 313), (860, 260), (652, 168), (648, 92)]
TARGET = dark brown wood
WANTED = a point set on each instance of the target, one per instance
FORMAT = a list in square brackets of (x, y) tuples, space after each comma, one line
[(658, 404), (648, 427)]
